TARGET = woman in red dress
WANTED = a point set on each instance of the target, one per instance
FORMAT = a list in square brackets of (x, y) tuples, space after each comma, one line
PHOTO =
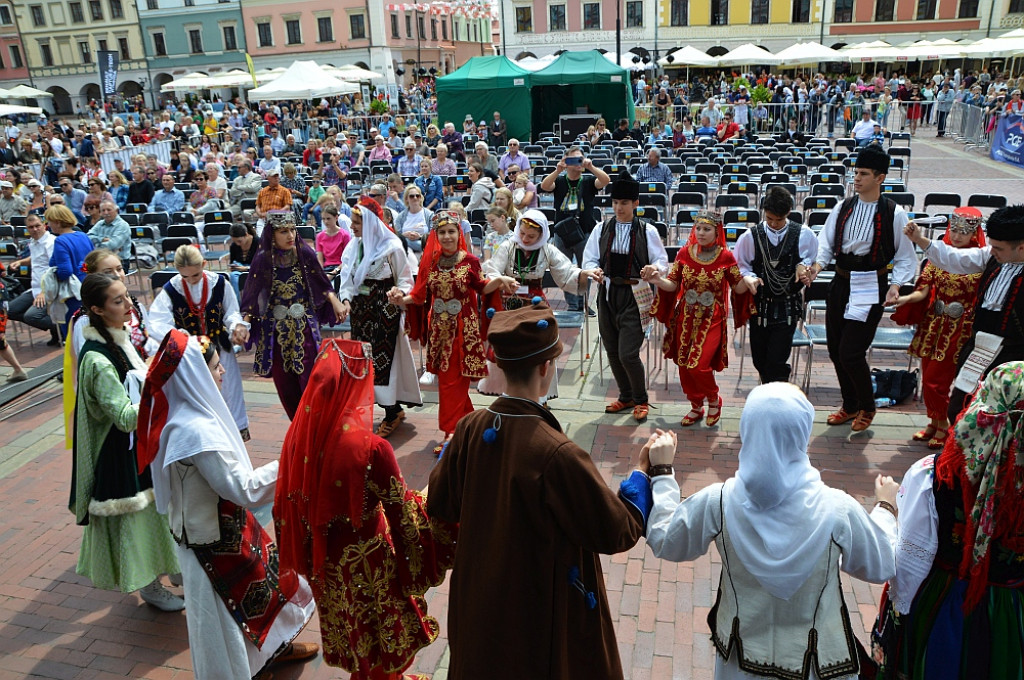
[(693, 303), (947, 302), (346, 520), (449, 283)]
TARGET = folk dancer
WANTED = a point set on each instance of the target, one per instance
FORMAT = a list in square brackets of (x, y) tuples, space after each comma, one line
[(863, 235), (620, 253)]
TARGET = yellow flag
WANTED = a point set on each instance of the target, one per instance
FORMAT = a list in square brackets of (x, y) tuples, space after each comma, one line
[(252, 69)]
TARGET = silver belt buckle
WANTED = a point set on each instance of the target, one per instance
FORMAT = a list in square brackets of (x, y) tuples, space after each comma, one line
[(297, 310), (690, 297), (280, 311), (939, 307), (450, 307), (954, 310), (707, 298)]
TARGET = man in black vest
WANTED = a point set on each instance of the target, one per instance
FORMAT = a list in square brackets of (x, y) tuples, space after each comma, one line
[(772, 257), (574, 198), (622, 251), (1001, 264), (863, 235)]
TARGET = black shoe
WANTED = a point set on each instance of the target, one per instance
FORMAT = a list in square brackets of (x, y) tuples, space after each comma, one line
[(591, 313), (53, 342)]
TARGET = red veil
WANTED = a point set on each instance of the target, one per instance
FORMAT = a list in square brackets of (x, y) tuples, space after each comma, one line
[(417, 318)]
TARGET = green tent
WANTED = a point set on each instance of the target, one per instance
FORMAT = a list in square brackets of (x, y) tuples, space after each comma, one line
[(581, 80), (482, 86)]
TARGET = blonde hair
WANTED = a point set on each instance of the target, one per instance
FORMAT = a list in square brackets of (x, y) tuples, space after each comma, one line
[(114, 174), (457, 207), (188, 256), (510, 211), (60, 214)]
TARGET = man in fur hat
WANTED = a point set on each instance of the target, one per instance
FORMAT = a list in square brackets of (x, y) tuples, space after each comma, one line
[(862, 236), (534, 513), (619, 251), (1001, 263)]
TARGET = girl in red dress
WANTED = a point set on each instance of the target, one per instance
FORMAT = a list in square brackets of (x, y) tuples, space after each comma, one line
[(693, 304), (449, 283), (945, 304)]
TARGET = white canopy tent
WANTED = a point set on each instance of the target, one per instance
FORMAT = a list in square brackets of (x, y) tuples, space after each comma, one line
[(808, 53), (302, 80), (11, 109), (747, 54), (626, 61), (925, 50), (187, 83), (687, 56), (353, 72), (26, 92)]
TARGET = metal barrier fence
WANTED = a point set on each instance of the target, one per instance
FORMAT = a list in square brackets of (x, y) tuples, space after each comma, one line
[(966, 124)]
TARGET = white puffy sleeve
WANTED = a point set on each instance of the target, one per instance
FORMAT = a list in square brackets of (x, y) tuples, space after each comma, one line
[(918, 533), (236, 482), (681, 531)]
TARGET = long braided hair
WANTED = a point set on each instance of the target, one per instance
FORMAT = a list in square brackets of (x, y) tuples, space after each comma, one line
[(95, 290)]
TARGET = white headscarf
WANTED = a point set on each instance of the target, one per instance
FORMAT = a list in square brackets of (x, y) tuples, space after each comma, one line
[(775, 505), (377, 242), (198, 420), (538, 218)]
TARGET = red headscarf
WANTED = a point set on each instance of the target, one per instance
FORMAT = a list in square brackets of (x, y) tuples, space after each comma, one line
[(325, 453), (432, 249), (153, 407), (965, 214), (708, 217)]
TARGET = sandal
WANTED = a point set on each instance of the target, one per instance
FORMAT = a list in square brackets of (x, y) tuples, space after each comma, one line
[(640, 412), (693, 417), (840, 417), (618, 406), (938, 440), (298, 651), (386, 427), (925, 434), (714, 414), (862, 421)]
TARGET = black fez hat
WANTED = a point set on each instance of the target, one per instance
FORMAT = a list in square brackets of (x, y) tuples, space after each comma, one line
[(527, 336), (625, 187), (873, 158), (1006, 224)]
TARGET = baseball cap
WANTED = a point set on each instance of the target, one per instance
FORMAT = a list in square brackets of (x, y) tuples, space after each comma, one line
[(274, 171)]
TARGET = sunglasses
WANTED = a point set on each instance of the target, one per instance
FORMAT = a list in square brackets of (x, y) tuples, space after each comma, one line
[(375, 195), (415, 196), (512, 173)]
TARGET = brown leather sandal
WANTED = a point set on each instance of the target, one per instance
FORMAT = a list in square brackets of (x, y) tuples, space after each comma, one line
[(640, 412), (619, 406), (840, 417), (862, 421), (386, 427)]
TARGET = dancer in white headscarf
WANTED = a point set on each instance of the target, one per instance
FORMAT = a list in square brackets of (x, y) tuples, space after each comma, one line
[(520, 263), (243, 612), (783, 536)]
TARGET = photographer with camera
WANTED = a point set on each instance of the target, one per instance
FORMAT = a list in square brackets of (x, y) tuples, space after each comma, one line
[(574, 209)]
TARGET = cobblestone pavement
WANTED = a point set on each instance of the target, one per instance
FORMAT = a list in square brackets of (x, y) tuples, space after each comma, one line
[(54, 624)]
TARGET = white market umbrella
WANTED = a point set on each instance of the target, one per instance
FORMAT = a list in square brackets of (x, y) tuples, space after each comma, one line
[(687, 56), (808, 53), (233, 78), (875, 52), (925, 50), (302, 80), (353, 72), (11, 109), (995, 47), (26, 92), (189, 81), (747, 54), (626, 61)]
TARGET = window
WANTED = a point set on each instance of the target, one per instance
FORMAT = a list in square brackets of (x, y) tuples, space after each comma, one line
[(408, 25), (444, 30), (556, 18), (421, 26), (759, 12), (968, 9), (634, 14), (433, 29), (2, 66), (46, 53), (263, 30), (926, 9), (152, 4), (77, 15), (16, 60), (159, 46), (801, 11), (524, 20), (37, 15), (885, 10), (85, 51), (101, 45), (591, 16), (394, 27), (293, 31), (679, 11), (190, 3), (122, 47), (720, 12), (96, 10), (195, 41), (230, 41), (324, 29), (844, 12), (5, 15), (1016, 6), (116, 10)]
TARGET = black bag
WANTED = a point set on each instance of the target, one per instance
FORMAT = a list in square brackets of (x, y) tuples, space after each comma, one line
[(893, 384), (10, 288), (569, 230)]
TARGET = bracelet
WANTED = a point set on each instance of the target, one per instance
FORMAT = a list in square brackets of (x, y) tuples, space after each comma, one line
[(658, 470), (886, 505)]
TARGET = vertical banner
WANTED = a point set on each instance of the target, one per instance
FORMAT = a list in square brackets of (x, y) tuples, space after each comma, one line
[(252, 69), (108, 61), (1008, 140)]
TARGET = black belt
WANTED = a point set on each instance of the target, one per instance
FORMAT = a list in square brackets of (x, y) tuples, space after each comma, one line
[(619, 281)]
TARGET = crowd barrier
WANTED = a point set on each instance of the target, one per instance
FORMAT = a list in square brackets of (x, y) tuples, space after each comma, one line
[(161, 149), (966, 124)]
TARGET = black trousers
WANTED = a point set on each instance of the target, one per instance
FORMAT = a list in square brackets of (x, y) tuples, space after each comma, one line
[(940, 120), (848, 344), (618, 319), (770, 347)]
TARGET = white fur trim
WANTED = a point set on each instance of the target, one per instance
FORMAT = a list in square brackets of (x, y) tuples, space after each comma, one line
[(122, 339), (121, 506)]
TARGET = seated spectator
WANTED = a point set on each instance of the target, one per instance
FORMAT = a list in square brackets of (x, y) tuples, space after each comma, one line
[(295, 184), (864, 129), (331, 242), (728, 128), (74, 197), (216, 180), (654, 170), (268, 162), (395, 192), (91, 207), (380, 150), (10, 204), (878, 136), (408, 164), (142, 188), (442, 165), (111, 232), (204, 198), (413, 223), (37, 202), (6, 351), (524, 191), (312, 153), (98, 188), (313, 195), (431, 186), (247, 185), (453, 139), (705, 129), (168, 199), (30, 307), (241, 252), (272, 197), (118, 189), (485, 159), (482, 191), (512, 157)]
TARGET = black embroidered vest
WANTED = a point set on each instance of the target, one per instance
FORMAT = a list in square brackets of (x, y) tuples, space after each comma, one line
[(184, 320), (883, 246), (1007, 323), (621, 265), (773, 306)]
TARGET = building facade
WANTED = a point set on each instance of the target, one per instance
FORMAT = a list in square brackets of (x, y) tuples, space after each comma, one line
[(187, 36), (374, 35), (13, 65), (61, 40)]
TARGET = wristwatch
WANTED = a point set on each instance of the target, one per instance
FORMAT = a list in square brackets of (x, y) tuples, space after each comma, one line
[(658, 470)]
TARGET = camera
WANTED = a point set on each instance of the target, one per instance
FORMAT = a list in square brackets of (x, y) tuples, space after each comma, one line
[(574, 160)]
